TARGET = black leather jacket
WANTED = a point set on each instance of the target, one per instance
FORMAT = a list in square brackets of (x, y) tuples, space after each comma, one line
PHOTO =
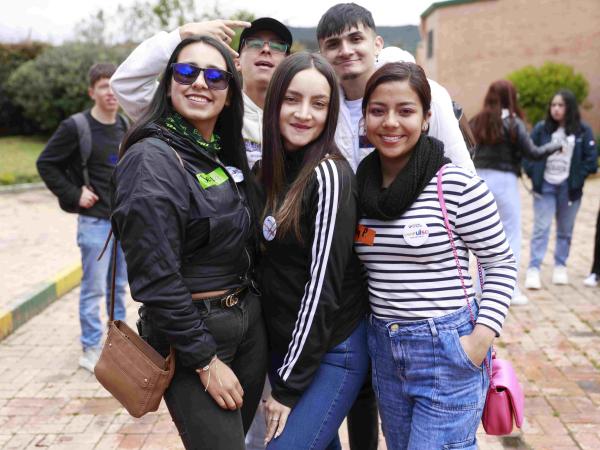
[(506, 156), (183, 230)]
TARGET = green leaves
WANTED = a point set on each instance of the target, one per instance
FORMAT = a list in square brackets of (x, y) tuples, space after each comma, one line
[(54, 85), (536, 86)]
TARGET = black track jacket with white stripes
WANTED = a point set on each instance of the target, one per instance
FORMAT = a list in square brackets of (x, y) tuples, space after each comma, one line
[(314, 293)]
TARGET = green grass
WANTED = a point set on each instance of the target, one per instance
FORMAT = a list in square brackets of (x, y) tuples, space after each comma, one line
[(17, 158)]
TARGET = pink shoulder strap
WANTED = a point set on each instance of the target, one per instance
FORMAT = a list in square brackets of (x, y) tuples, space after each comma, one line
[(440, 193)]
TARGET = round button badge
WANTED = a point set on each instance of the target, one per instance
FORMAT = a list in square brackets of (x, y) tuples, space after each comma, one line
[(236, 174), (415, 233), (269, 228)]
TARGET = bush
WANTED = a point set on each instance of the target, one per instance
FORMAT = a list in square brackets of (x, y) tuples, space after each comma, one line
[(11, 57), (54, 85), (536, 86)]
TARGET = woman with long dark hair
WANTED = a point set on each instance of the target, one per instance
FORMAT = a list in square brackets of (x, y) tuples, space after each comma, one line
[(427, 335), (313, 290), (185, 208), (502, 142), (558, 183)]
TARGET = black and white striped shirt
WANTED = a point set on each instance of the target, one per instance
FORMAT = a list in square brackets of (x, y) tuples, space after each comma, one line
[(417, 282)]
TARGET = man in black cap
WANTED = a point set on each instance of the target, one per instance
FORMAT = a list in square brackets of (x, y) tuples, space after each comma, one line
[(262, 47), (263, 44)]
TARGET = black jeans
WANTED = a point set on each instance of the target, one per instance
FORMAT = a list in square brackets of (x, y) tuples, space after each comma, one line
[(241, 340)]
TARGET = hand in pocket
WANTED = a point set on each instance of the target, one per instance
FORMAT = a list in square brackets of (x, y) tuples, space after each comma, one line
[(477, 344), (472, 350)]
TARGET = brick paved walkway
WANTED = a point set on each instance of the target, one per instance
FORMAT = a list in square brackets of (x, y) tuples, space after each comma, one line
[(37, 240), (554, 342)]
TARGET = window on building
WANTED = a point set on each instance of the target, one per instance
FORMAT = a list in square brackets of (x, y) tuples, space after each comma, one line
[(430, 44)]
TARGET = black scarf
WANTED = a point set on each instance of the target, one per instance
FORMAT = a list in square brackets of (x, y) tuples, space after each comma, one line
[(389, 204)]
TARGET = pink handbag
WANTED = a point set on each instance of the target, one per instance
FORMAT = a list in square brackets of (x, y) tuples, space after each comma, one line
[(505, 402)]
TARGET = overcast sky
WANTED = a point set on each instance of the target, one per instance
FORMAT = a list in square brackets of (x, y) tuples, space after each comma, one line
[(53, 20)]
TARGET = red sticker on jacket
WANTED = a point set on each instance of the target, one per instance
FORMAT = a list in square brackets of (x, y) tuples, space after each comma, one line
[(364, 235)]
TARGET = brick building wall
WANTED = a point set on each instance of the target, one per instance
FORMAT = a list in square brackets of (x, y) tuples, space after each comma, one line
[(478, 42)]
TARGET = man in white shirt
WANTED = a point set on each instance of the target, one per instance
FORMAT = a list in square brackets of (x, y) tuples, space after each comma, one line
[(349, 41), (264, 43)]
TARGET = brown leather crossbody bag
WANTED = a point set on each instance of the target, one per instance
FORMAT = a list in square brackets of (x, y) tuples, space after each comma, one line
[(129, 368)]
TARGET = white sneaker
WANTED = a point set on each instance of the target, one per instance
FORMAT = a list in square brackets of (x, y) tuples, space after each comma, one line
[(519, 299), (560, 275), (89, 358), (532, 280), (591, 280)]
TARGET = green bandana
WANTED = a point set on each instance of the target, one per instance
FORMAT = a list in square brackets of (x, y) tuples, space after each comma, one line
[(176, 123)]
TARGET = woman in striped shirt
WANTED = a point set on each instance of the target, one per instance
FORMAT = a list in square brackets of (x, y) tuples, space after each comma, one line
[(427, 356)]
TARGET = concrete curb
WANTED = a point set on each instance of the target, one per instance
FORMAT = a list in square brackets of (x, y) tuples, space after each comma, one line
[(11, 188), (21, 310)]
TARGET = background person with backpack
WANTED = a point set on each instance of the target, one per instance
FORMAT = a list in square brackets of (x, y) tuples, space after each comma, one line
[(76, 165)]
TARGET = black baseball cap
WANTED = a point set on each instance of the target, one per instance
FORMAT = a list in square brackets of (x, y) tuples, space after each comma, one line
[(267, 24)]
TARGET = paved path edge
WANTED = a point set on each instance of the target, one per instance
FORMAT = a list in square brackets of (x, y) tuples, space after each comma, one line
[(21, 310), (21, 187)]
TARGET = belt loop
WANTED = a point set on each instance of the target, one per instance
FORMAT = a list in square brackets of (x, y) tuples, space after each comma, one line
[(434, 330), (207, 306)]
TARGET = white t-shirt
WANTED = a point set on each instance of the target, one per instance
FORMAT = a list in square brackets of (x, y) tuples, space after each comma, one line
[(359, 133), (558, 164)]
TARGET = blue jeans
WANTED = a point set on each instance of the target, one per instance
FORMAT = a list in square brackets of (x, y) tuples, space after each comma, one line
[(553, 201), (504, 186), (314, 422), (430, 395), (96, 281)]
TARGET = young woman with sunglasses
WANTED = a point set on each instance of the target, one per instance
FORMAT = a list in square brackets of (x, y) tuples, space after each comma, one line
[(427, 355), (185, 209), (314, 294)]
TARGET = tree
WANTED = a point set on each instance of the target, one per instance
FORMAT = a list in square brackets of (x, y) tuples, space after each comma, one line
[(174, 13), (536, 85), (11, 57), (241, 14), (93, 30), (54, 85), (140, 20)]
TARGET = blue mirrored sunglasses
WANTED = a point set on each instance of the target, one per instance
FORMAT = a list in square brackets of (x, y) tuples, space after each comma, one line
[(216, 79)]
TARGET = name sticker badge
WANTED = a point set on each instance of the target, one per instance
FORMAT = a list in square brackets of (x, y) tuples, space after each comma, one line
[(214, 178), (236, 174), (269, 228), (415, 233), (364, 235)]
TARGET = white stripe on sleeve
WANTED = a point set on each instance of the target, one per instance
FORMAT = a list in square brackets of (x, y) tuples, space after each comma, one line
[(329, 188)]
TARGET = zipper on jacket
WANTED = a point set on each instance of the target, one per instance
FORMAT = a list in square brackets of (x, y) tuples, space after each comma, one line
[(237, 190)]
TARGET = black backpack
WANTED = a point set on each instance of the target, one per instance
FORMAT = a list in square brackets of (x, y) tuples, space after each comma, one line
[(84, 135)]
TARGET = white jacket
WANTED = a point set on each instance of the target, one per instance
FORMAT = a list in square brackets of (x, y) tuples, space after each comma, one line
[(135, 82), (442, 124)]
